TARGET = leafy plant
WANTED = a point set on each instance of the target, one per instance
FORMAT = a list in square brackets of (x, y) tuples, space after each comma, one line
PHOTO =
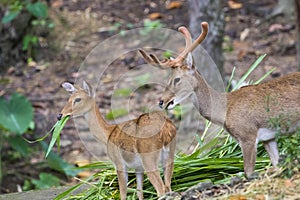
[(39, 20), (16, 115), (46, 181), (288, 143)]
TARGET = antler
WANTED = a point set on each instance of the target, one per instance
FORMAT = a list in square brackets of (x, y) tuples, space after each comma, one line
[(189, 45), (152, 59)]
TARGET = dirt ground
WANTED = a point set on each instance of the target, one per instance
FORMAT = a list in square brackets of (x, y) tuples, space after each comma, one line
[(82, 25)]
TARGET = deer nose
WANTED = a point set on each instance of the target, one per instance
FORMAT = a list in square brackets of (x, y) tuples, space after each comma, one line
[(59, 116), (161, 103)]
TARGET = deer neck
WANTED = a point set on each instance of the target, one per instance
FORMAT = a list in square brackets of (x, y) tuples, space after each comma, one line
[(210, 103), (97, 125)]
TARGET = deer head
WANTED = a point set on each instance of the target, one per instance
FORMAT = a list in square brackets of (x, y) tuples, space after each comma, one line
[(181, 81), (80, 101)]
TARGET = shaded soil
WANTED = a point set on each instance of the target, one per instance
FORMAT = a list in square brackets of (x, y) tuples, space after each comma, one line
[(82, 25)]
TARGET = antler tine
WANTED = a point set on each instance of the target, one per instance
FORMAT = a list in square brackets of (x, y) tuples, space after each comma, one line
[(147, 57), (152, 59), (155, 59), (188, 42), (192, 46)]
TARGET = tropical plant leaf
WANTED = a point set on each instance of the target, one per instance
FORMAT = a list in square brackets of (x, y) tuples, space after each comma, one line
[(9, 17), (38, 9), (46, 181), (16, 114), (19, 144)]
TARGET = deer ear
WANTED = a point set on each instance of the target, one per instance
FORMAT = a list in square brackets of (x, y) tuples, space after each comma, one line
[(190, 61), (69, 87), (88, 88)]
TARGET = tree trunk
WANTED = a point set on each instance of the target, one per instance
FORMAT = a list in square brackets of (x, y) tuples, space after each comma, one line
[(297, 23), (212, 12)]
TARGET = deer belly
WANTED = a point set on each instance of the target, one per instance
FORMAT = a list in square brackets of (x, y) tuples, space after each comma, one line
[(265, 134), (132, 160)]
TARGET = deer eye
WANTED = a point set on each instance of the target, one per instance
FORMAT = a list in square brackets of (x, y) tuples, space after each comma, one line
[(77, 100), (176, 80)]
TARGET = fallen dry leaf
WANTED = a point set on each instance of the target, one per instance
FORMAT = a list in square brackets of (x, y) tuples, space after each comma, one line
[(234, 5), (173, 5), (154, 16), (238, 197)]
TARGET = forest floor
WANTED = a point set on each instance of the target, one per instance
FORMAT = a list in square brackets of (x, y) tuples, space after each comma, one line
[(83, 25)]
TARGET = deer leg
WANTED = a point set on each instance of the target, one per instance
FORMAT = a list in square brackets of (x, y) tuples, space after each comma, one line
[(139, 182), (122, 180), (270, 144), (168, 165), (271, 147), (249, 155), (150, 163), (156, 181)]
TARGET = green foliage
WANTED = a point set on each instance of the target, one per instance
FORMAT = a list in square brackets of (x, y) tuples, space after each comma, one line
[(16, 117), (39, 20), (46, 181), (288, 144), (15, 114), (57, 128)]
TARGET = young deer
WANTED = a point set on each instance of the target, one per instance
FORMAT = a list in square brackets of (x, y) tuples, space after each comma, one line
[(136, 144), (244, 113)]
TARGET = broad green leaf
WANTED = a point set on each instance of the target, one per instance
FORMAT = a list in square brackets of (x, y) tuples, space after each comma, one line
[(38, 9), (19, 144), (16, 114), (9, 17), (46, 181)]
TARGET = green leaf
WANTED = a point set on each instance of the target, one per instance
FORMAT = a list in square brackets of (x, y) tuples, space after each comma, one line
[(46, 181), (38, 9), (56, 133), (9, 17), (16, 114), (19, 145), (249, 71)]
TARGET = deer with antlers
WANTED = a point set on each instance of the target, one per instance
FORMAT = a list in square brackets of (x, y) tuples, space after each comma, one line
[(137, 144), (244, 113)]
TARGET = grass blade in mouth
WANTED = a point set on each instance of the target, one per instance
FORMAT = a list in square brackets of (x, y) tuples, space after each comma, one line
[(57, 128)]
